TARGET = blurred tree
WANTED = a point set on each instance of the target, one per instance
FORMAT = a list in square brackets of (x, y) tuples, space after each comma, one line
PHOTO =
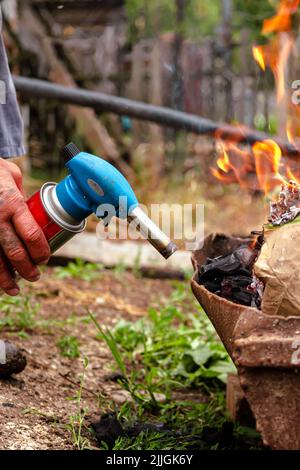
[(150, 17), (251, 14), (201, 18)]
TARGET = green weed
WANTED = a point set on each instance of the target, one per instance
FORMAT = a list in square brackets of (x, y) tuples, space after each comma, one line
[(149, 440), (18, 313), (119, 269), (183, 425), (136, 268), (164, 359), (76, 424), (174, 346), (79, 269), (47, 417), (171, 349), (167, 350), (69, 346)]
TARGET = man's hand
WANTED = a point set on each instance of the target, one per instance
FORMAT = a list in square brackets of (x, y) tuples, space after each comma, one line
[(22, 241)]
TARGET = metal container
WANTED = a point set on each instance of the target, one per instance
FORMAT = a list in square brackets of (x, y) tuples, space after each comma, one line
[(57, 225)]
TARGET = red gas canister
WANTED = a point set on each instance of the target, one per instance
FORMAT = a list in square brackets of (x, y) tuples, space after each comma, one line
[(57, 225)]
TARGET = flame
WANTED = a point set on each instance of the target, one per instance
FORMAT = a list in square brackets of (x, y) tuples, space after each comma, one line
[(292, 175), (263, 167), (224, 163), (264, 162), (267, 157), (275, 55), (287, 44), (282, 20), (234, 165), (293, 125), (258, 54)]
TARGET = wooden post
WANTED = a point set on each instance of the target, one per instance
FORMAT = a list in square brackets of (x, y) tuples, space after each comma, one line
[(177, 92), (157, 160), (135, 86), (244, 44), (227, 44), (208, 88)]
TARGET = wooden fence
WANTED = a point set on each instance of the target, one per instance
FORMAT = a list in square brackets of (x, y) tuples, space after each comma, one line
[(216, 78), (209, 87)]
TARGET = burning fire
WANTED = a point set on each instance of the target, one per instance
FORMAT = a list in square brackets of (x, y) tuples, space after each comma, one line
[(265, 160), (282, 20), (258, 54), (267, 157)]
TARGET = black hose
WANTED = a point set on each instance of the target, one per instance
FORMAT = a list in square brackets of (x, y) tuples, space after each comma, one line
[(101, 102)]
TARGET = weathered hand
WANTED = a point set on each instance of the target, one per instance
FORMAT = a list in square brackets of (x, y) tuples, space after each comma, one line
[(22, 241)]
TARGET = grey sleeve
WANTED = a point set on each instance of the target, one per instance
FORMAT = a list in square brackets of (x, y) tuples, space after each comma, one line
[(11, 124)]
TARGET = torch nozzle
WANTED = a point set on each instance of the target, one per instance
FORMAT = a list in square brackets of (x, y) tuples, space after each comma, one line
[(151, 232)]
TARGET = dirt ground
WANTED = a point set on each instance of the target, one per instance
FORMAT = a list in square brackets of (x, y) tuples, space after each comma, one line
[(34, 405)]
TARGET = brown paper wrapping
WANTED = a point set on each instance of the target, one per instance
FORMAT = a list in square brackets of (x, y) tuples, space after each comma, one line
[(278, 266)]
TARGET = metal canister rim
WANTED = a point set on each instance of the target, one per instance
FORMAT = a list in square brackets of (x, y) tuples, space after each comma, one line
[(56, 212)]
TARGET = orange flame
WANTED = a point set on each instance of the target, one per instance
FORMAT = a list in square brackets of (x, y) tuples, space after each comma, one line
[(263, 167), (282, 20), (267, 156), (275, 55), (234, 165), (293, 175)]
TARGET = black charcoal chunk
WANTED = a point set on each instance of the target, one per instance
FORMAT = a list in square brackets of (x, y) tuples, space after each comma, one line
[(108, 429), (13, 361), (231, 276)]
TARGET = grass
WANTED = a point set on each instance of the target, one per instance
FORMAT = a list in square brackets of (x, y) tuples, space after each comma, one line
[(175, 345), (195, 437), (168, 349), (177, 424), (163, 359), (76, 424), (136, 268), (171, 363), (18, 313), (68, 346), (79, 269), (119, 269)]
